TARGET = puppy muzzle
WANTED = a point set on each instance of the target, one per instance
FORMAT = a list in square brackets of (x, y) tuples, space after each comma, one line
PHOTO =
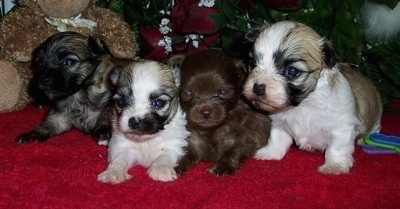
[(144, 126)]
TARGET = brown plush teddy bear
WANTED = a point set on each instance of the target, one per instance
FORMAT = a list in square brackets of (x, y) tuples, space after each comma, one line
[(25, 28)]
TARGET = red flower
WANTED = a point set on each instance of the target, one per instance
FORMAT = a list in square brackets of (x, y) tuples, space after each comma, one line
[(188, 18), (246, 4), (204, 44), (285, 5), (151, 48)]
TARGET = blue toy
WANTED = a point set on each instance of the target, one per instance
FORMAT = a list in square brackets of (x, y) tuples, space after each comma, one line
[(378, 143)]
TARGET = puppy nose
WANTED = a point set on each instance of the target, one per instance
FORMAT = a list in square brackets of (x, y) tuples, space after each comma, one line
[(206, 113), (259, 89), (134, 123)]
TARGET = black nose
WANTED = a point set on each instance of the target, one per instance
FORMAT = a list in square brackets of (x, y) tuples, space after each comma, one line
[(206, 113), (259, 89), (134, 123), (45, 81)]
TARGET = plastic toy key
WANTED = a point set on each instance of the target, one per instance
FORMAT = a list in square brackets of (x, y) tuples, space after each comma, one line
[(383, 141), (376, 150)]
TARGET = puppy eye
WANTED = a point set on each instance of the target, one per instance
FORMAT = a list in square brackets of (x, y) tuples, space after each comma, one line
[(223, 92), (121, 103), (292, 72), (68, 62), (158, 103)]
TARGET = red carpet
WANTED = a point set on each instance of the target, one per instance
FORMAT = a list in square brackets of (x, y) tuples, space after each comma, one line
[(61, 173)]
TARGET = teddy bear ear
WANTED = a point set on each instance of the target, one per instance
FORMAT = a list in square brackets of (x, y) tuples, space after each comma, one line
[(97, 46)]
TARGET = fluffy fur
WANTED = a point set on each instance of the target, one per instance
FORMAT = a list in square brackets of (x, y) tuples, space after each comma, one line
[(380, 22), (224, 129), (71, 71), (321, 104), (147, 122)]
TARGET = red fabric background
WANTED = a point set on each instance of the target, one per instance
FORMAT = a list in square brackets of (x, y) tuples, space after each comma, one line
[(61, 173)]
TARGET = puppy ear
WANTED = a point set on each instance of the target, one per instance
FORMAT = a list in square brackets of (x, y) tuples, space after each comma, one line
[(114, 74), (330, 57), (97, 46), (241, 70), (252, 35), (175, 63)]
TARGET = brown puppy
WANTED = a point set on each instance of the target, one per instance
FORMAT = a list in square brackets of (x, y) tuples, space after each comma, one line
[(223, 128)]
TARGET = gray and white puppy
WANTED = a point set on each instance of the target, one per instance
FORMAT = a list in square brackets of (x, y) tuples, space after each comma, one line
[(314, 100), (148, 125), (71, 71)]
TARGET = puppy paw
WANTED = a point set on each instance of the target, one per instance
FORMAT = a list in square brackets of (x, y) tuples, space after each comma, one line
[(333, 169), (113, 176), (180, 169), (30, 137), (102, 135), (266, 153), (360, 141), (222, 170), (162, 173)]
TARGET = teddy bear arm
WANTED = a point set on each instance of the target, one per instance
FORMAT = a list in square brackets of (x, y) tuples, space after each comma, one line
[(22, 31), (14, 81), (114, 31)]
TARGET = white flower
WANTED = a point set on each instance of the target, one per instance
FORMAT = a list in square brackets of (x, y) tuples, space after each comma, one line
[(247, 18), (166, 42), (164, 26), (194, 38), (206, 3), (167, 11), (164, 21), (164, 29)]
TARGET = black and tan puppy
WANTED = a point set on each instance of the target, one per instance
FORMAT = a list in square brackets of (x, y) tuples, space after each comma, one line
[(223, 128), (71, 71)]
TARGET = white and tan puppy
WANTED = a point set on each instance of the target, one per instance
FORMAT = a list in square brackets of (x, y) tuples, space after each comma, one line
[(313, 100), (148, 125)]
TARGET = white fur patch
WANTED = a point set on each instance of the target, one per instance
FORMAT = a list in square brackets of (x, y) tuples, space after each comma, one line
[(160, 151), (324, 121)]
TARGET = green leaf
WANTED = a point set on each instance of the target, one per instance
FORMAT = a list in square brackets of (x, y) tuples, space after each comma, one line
[(335, 21), (382, 65), (219, 20), (228, 9), (117, 6), (260, 14), (231, 42)]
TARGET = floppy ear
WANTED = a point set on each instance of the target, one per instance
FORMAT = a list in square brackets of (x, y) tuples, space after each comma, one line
[(241, 70), (114, 74), (330, 57), (252, 35), (97, 46), (175, 63)]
